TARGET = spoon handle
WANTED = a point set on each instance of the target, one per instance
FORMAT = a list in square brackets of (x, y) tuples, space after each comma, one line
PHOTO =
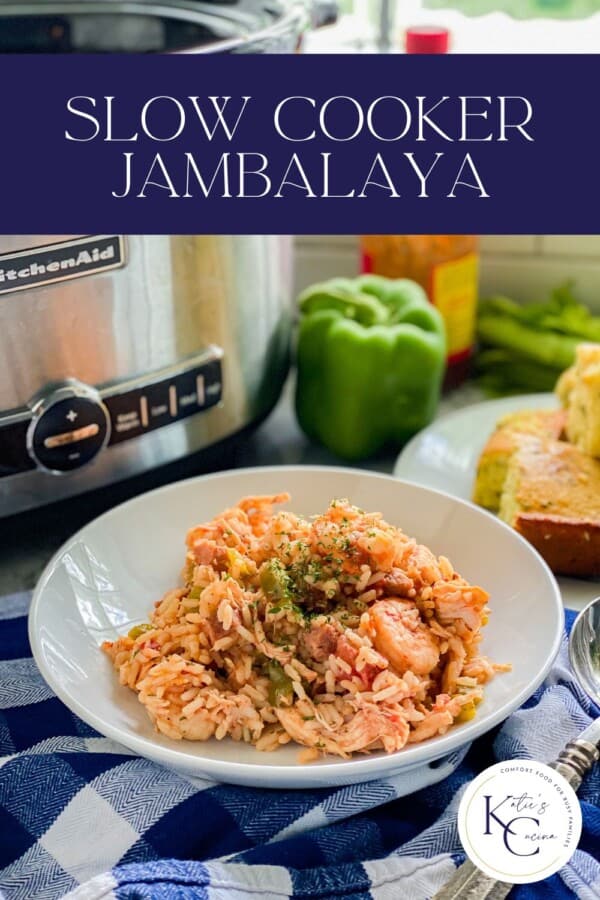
[(470, 883), (576, 760)]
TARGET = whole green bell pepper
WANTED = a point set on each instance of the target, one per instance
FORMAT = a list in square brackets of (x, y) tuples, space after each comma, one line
[(371, 359)]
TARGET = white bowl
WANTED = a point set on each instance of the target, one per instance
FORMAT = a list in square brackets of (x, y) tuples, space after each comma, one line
[(106, 578)]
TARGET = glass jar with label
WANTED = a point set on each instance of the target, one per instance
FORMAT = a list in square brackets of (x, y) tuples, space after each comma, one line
[(446, 265)]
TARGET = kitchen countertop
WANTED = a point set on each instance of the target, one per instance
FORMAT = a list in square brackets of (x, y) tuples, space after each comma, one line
[(28, 540)]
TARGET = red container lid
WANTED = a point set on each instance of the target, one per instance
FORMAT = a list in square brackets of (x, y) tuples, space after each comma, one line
[(427, 39)]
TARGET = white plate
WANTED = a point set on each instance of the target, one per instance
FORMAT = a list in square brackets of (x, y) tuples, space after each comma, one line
[(106, 578), (444, 456)]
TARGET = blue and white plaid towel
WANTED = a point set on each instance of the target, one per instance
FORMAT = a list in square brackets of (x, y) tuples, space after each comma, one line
[(82, 816)]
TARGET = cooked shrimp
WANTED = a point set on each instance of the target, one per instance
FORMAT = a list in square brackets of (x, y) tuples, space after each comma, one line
[(262, 503), (400, 635), (460, 601), (335, 630), (259, 509)]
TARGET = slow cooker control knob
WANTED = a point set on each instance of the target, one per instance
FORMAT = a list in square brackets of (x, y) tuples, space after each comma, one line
[(69, 427)]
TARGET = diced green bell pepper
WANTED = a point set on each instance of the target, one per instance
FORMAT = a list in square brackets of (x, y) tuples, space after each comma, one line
[(274, 581), (280, 691), (138, 630), (371, 359)]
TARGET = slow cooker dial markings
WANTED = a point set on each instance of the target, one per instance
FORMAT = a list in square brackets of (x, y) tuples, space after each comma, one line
[(168, 399), (66, 425), (69, 427)]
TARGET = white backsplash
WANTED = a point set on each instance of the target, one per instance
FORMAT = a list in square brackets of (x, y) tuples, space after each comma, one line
[(525, 267)]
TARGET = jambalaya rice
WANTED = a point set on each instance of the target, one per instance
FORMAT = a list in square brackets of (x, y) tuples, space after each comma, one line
[(338, 632)]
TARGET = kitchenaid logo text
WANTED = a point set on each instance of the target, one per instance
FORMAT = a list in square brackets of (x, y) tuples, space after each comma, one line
[(60, 262), (444, 130)]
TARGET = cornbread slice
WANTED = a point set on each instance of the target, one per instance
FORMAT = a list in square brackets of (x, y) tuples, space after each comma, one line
[(583, 400), (496, 455), (564, 386), (552, 497)]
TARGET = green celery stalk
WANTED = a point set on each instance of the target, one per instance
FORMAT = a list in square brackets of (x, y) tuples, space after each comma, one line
[(503, 371), (547, 348)]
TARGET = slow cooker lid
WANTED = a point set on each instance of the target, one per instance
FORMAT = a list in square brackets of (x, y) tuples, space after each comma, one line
[(111, 26)]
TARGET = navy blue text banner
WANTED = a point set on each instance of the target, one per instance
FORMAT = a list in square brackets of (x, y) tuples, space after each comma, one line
[(299, 144)]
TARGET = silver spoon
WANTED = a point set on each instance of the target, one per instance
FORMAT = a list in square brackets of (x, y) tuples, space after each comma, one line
[(573, 762), (584, 650)]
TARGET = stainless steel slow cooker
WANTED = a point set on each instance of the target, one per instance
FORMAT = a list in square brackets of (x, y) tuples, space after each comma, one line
[(144, 26), (122, 353)]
